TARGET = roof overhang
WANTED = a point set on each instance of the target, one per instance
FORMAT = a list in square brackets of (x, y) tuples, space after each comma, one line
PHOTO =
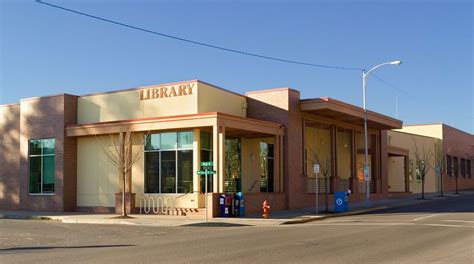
[(234, 124), (335, 109)]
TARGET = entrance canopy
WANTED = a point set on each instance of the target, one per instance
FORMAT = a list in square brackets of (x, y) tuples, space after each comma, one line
[(238, 125), (331, 108)]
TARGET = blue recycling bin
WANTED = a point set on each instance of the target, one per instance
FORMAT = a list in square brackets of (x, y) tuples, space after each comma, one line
[(341, 202)]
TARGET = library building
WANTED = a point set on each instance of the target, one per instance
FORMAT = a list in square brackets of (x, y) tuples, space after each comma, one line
[(81, 153)]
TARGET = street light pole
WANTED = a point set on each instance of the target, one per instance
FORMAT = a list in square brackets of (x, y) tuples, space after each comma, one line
[(366, 150)]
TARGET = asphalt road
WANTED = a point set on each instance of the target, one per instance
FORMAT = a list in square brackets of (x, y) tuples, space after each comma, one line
[(438, 232)]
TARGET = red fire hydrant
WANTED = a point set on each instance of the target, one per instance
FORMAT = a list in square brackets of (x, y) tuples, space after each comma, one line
[(266, 209)]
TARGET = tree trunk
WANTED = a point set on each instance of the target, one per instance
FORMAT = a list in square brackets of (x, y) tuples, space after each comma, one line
[(423, 187), (327, 192)]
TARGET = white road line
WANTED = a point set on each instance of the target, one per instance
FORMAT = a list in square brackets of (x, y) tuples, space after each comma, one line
[(448, 225), (459, 221), (424, 217)]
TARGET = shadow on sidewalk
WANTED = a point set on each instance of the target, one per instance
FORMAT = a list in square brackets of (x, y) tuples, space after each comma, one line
[(60, 247)]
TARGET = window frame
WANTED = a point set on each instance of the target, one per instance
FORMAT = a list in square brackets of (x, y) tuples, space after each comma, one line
[(41, 155), (176, 149)]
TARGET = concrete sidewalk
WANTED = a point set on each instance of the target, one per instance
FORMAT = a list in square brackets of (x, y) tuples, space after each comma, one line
[(276, 218)]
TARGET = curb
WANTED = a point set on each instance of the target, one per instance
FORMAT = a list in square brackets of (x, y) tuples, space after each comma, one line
[(25, 217), (307, 219)]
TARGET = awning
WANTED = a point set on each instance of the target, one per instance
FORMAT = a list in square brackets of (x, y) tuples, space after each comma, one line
[(331, 108), (234, 125)]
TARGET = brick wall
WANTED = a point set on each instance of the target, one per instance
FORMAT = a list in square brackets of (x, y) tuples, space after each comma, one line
[(9, 156), (41, 118)]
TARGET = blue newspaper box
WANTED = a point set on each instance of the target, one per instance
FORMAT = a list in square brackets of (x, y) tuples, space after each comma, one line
[(341, 202), (222, 206), (240, 196)]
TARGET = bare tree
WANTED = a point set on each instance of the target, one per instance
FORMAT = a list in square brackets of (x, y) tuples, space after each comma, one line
[(119, 154), (439, 163), (422, 162), (324, 162)]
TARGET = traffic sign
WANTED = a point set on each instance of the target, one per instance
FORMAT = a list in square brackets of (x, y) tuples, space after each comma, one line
[(366, 172), (316, 168), (207, 163), (203, 172)]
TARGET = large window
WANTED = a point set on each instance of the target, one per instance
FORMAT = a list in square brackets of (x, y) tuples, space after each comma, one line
[(169, 162), (206, 155), (266, 167), (318, 150), (463, 168), (455, 166), (449, 165), (232, 181), (41, 161), (468, 168), (344, 155)]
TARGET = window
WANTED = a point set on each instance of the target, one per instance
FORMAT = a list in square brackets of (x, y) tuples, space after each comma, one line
[(169, 162), (266, 167), (468, 168), (232, 181), (449, 166), (41, 162), (206, 155), (455, 167), (463, 168)]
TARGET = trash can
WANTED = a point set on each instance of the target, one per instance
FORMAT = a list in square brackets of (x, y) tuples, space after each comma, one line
[(341, 202), (240, 196)]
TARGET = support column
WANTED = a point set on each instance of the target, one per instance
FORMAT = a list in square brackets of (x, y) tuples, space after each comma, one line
[(128, 159), (221, 173), (215, 157), (196, 159), (354, 180), (276, 165), (334, 177)]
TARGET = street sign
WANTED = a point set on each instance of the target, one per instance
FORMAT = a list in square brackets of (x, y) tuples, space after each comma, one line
[(203, 172), (366, 173), (316, 168), (207, 163)]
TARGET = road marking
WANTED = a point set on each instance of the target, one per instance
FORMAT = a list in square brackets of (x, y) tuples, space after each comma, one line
[(424, 217), (447, 225), (459, 221)]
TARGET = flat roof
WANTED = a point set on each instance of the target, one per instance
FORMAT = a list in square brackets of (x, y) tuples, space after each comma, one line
[(335, 109)]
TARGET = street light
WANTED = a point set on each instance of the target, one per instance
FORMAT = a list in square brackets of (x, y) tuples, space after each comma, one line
[(366, 161)]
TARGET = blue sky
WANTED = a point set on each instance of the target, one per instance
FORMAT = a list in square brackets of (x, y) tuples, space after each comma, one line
[(47, 51)]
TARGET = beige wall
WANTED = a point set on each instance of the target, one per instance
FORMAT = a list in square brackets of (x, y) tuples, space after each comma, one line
[(396, 174), (211, 99), (344, 154), (425, 145), (97, 178), (250, 148), (433, 130), (127, 104)]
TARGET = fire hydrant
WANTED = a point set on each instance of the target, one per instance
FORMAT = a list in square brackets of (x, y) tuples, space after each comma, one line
[(266, 209)]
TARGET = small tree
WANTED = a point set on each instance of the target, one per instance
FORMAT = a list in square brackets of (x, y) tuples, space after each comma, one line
[(439, 163), (325, 167), (119, 154), (422, 162)]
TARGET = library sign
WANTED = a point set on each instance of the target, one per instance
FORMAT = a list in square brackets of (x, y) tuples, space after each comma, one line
[(166, 91)]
